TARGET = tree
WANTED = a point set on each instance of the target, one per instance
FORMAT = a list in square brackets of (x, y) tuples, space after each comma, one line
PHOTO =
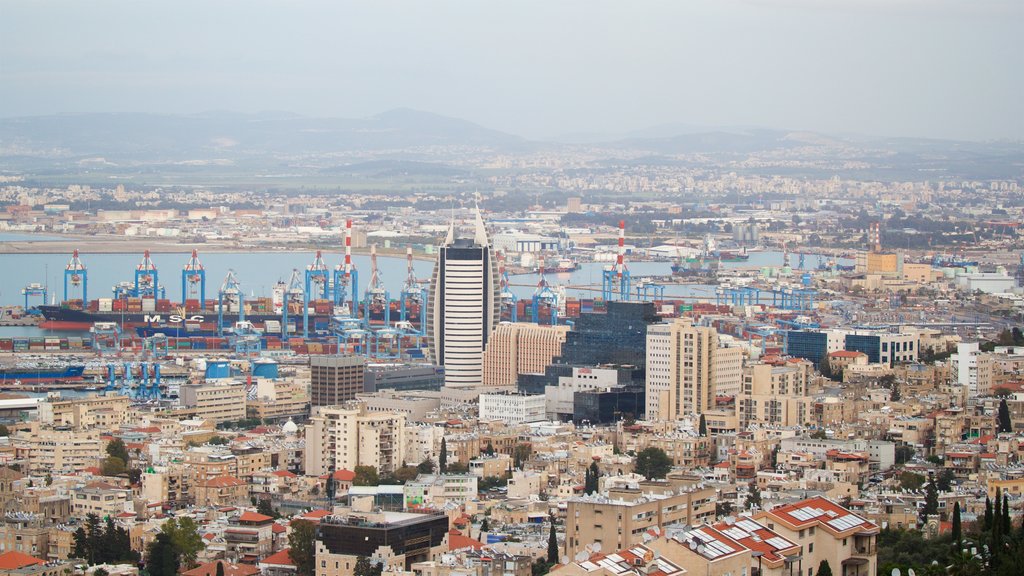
[(48, 479), (931, 501), (302, 542), (652, 462), (489, 449), (218, 440), (702, 428), (485, 526), (593, 475), (366, 568), (520, 454), (895, 394), (945, 481), (117, 449), (442, 458), (112, 466), (265, 507), (4, 431), (986, 523), (366, 476), (552, 544), (161, 557), (100, 572), (753, 496), (80, 548), (220, 568), (1007, 524), (911, 481), (957, 530), (185, 539), (426, 467), (1003, 419), (903, 454), (824, 569)]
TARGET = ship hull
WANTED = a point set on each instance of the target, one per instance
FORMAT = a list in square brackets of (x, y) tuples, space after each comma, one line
[(41, 375)]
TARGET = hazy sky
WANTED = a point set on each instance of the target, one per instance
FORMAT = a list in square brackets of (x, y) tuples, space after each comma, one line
[(936, 68)]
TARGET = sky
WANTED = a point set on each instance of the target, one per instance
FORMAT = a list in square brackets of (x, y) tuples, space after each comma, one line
[(535, 68)]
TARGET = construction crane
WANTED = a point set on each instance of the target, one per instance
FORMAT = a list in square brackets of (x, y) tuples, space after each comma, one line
[(317, 281), (34, 289), (508, 298), (413, 297), (230, 291), (346, 278), (293, 293), (376, 297), (193, 281), (147, 279), (544, 297), (616, 281), (75, 276)]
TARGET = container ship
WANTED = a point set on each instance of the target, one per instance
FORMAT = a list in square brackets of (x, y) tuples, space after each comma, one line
[(40, 374), (148, 316)]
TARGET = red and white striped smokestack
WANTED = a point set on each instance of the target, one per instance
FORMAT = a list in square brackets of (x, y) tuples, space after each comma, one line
[(408, 258), (348, 245), (620, 259)]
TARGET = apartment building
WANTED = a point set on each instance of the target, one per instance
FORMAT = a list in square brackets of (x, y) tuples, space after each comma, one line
[(680, 369), (343, 437), (59, 451), (825, 530), (215, 401), (620, 517), (103, 412), (775, 395)]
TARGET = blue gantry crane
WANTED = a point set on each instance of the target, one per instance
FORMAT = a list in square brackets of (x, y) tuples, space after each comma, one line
[(544, 298), (508, 298), (230, 293), (346, 278), (193, 281), (413, 298), (317, 283), (76, 277), (616, 282), (293, 293), (376, 298), (34, 289)]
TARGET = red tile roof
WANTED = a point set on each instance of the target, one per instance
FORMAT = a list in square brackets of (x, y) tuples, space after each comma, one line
[(456, 541), (284, 474), (13, 560), (821, 512), (282, 558), (758, 538), (253, 517)]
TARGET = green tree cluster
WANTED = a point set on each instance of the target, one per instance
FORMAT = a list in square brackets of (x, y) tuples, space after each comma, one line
[(592, 476), (184, 539), (97, 543), (366, 476), (302, 543), (652, 462)]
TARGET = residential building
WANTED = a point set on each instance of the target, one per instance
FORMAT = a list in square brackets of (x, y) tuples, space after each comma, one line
[(436, 491), (728, 370), (215, 400), (680, 369), (972, 369), (775, 394), (343, 437), (619, 518), (825, 530), (93, 411)]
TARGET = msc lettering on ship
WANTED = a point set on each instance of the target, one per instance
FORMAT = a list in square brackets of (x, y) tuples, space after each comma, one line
[(173, 318)]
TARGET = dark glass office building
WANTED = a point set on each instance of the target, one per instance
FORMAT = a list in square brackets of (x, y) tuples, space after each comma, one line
[(811, 346), (411, 535)]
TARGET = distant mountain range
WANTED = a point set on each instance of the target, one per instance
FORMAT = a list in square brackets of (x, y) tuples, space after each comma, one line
[(423, 142)]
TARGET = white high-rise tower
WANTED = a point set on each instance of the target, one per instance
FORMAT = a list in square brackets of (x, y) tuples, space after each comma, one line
[(464, 306)]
